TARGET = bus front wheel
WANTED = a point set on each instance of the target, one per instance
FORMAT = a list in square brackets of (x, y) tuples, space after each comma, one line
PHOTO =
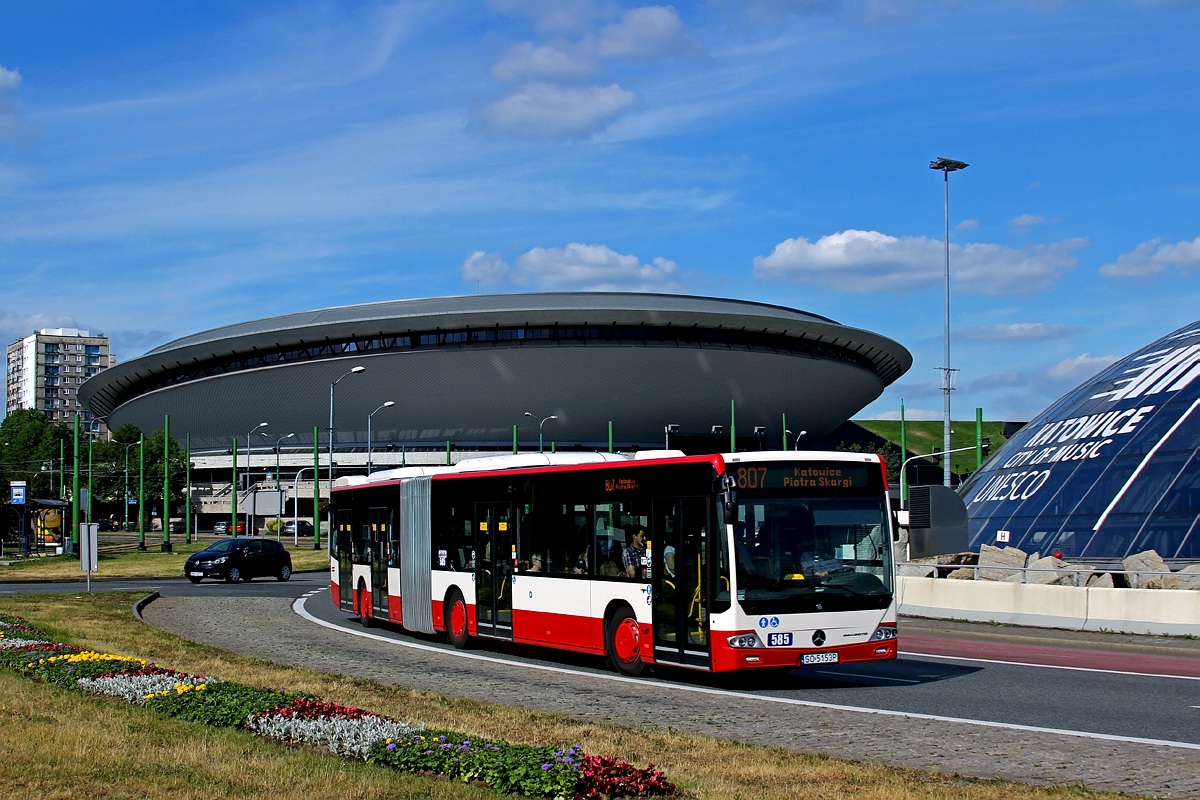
[(456, 620), (624, 643)]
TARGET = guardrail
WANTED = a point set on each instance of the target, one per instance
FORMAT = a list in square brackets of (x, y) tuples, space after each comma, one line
[(1174, 612)]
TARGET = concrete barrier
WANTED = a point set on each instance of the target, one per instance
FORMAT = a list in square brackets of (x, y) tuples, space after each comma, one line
[(1174, 612)]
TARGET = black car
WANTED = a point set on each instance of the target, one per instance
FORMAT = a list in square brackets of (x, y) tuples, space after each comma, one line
[(297, 528), (240, 559)]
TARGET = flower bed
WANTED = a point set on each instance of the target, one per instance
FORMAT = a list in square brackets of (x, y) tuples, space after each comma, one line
[(344, 730)]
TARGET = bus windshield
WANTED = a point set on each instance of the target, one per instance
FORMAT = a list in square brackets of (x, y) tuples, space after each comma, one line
[(815, 548)]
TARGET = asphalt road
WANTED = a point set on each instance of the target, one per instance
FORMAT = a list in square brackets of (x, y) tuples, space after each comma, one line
[(1109, 711)]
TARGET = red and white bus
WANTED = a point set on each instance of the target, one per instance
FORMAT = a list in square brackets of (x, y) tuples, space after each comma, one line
[(750, 560)]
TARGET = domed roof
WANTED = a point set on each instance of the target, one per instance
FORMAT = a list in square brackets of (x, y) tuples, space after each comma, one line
[(1111, 468)]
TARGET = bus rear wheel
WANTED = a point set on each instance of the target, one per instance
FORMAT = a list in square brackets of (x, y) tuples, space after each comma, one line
[(457, 631), (624, 643)]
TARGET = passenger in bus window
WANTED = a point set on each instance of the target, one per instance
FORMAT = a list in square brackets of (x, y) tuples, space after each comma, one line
[(633, 557), (536, 564), (669, 561), (581, 565)]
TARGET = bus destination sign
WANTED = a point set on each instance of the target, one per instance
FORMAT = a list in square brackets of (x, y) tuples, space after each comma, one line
[(620, 484), (829, 475)]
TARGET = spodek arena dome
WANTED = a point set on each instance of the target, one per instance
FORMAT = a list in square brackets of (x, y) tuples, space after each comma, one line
[(1109, 470)]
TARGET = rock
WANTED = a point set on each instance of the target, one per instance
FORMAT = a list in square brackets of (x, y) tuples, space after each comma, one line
[(1048, 571), (969, 559), (1189, 577), (1148, 561), (961, 574), (917, 571), (998, 563), (1103, 580)]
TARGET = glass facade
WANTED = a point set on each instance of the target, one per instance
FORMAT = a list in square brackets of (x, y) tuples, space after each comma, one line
[(1110, 469)]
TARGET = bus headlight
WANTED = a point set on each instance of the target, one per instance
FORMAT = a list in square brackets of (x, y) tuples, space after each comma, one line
[(744, 641), (883, 632)]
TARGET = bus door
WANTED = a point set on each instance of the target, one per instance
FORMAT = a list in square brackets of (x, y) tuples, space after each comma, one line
[(495, 538), (380, 550), (344, 529), (680, 581)]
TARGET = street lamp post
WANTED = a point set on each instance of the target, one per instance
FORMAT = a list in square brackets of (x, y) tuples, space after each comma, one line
[(910, 459), (387, 404), (332, 386), (946, 166), (296, 505), (278, 496), (540, 424), (249, 521)]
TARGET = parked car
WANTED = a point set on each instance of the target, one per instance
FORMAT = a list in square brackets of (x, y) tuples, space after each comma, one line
[(177, 526), (240, 559), (297, 528), (221, 528), (106, 525)]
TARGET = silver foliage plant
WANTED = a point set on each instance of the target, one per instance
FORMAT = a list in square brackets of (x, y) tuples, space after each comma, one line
[(347, 737), (133, 688)]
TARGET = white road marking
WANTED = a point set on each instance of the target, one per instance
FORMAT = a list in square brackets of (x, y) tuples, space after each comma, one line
[(298, 607), (1050, 666)]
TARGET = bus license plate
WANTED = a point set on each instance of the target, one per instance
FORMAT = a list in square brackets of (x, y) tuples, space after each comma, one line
[(819, 658), (779, 640)]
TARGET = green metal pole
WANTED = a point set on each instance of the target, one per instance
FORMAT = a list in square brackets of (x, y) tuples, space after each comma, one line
[(903, 456), (978, 438), (783, 435), (88, 514), (141, 491), (514, 439), (610, 441), (233, 493), (75, 494), (62, 471), (278, 496), (187, 514), (166, 518), (447, 452), (317, 494)]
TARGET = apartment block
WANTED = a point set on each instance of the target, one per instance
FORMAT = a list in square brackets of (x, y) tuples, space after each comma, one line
[(45, 370)]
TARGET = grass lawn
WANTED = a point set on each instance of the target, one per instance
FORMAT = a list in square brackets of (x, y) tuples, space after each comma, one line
[(63, 744), (148, 563)]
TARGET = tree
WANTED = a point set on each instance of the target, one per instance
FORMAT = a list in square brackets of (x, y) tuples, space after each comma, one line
[(30, 449), (889, 452)]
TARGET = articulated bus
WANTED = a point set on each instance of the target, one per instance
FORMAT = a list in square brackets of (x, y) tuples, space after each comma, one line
[(716, 562)]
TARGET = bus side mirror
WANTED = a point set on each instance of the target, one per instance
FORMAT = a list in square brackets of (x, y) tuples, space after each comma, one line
[(729, 497)]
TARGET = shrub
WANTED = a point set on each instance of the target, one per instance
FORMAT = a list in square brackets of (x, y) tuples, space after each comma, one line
[(511, 768), (217, 703)]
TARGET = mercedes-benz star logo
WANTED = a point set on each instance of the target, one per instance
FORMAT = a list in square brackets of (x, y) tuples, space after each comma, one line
[(818, 638)]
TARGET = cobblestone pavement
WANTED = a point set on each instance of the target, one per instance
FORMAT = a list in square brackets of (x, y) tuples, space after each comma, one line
[(267, 628)]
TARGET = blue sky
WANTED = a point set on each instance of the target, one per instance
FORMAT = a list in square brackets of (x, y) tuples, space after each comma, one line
[(166, 168)]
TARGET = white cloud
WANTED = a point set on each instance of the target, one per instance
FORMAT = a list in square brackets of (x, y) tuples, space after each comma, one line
[(525, 61), (10, 81), (541, 110), (967, 225), (576, 267), (1016, 332), (1153, 257), (484, 269), (552, 15), (643, 33), (1079, 368), (869, 261), (1026, 220)]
